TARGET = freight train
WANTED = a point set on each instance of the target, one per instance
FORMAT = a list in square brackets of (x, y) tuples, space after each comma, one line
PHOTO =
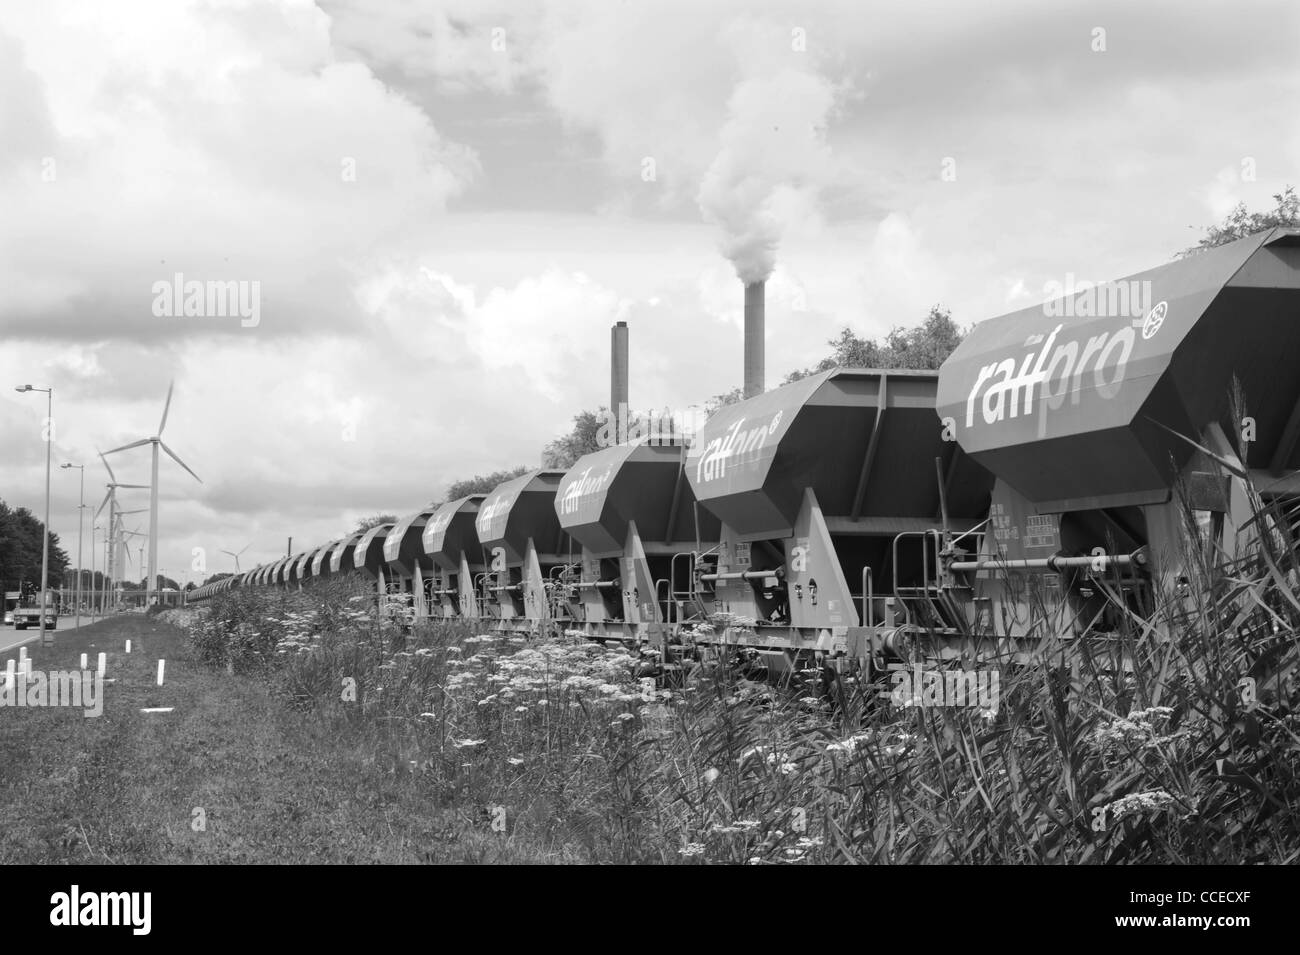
[(1038, 485)]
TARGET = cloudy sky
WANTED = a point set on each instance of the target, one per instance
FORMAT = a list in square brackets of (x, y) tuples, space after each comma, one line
[(444, 205)]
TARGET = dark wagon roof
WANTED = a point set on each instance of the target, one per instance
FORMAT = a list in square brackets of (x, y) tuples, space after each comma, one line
[(1068, 405), (865, 441)]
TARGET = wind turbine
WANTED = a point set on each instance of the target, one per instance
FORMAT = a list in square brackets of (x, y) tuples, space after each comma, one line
[(111, 540), (151, 583), (236, 556)]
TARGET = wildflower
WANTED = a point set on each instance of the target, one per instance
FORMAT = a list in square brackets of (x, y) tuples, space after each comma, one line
[(515, 761), (710, 775), (691, 850), (465, 743), (521, 709), (1153, 801)]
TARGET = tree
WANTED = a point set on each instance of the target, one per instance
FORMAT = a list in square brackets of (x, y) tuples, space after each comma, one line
[(718, 402), (366, 523), (921, 347), (482, 483), (1239, 223), (564, 451), (20, 549)]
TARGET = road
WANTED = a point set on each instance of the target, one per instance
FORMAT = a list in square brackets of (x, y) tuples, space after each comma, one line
[(11, 638)]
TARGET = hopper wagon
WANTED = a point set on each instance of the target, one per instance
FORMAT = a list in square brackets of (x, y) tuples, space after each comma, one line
[(1102, 425), (408, 566), (825, 488), (459, 575), (527, 552), (642, 535)]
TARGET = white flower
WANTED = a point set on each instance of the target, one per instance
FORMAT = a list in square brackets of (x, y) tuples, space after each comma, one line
[(692, 849), (463, 743)]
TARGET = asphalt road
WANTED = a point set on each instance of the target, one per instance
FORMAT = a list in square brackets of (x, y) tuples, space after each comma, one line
[(10, 638)]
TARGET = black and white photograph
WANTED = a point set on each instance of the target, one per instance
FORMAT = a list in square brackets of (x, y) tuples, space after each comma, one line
[(650, 432)]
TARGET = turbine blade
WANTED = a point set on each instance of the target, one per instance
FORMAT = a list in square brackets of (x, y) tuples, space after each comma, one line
[(143, 487), (107, 498), (128, 447), (246, 546), (172, 455), (167, 407), (111, 475)]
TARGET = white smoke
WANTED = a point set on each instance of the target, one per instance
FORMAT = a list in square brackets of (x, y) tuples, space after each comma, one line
[(773, 161)]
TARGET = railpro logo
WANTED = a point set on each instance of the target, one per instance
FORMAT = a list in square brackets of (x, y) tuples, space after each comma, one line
[(1005, 389), (584, 485), (734, 447), (102, 908), (490, 510)]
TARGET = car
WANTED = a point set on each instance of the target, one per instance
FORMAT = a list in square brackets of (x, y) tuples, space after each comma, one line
[(9, 618)]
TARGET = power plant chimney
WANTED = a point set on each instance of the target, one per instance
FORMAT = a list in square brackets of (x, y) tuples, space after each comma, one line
[(618, 379), (754, 321)]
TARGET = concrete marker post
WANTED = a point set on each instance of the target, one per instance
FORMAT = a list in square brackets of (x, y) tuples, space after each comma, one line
[(161, 664)]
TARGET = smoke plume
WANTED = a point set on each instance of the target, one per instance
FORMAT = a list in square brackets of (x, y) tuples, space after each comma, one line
[(771, 166)]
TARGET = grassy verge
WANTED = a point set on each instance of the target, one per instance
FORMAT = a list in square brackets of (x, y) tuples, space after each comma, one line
[(274, 785)]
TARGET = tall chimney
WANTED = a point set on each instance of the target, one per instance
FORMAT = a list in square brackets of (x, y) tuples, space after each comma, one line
[(618, 379), (754, 339)]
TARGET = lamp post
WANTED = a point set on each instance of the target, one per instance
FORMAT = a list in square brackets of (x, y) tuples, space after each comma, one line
[(81, 513), (46, 639), (94, 592)]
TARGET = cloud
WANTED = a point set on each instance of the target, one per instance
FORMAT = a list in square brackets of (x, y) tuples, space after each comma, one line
[(220, 141)]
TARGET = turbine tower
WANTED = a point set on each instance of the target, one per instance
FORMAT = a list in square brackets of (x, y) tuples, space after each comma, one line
[(151, 582), (113, 562)]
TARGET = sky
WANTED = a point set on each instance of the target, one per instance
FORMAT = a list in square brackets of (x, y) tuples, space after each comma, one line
[(434, 212)]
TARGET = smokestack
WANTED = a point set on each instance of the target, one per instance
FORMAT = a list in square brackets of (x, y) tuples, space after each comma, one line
[(754, 322), (618, 378)]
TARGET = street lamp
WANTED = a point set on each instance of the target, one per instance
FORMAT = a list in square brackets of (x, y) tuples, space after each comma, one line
[(81, 513), (46, 640), (94, 558)]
